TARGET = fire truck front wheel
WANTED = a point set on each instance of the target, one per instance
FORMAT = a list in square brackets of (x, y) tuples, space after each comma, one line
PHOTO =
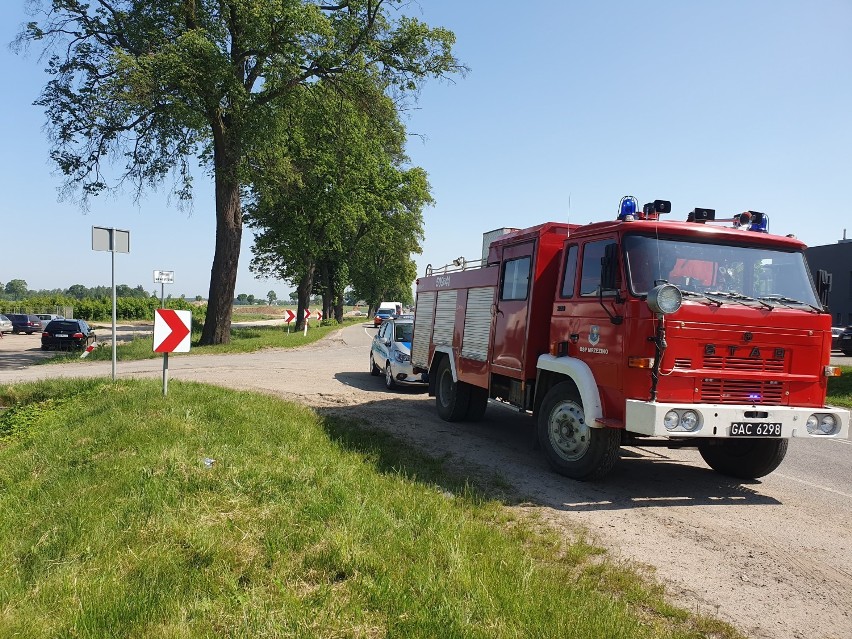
[(571, 446), (744, 458), (451, 398)]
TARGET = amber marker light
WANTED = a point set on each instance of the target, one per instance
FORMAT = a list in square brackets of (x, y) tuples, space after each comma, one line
[(640, 362), (832, 371)]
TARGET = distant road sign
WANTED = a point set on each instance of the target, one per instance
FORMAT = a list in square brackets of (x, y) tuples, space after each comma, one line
[(164, 277), (290, 315), (171, 331)]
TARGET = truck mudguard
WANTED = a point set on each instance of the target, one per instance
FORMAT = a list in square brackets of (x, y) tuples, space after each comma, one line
[(581, 374), (448, 350)]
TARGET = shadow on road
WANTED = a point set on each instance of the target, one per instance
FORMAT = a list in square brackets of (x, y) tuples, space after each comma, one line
[(500, 452)]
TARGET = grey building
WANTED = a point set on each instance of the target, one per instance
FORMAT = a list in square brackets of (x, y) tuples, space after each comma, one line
[(837, 260)]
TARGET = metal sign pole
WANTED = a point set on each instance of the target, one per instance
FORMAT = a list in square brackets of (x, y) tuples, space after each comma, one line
[(165, 374), (162, 295), (115, 241), (114, 336)]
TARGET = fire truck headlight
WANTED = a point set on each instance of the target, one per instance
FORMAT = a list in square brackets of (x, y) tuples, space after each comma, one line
[(812, 424), (823, 424), (671, 420), (689, 420), (664, 299), (828, 424)]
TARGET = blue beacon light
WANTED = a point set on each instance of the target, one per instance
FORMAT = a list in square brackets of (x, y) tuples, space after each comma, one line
[(759, 222), (627, 208)]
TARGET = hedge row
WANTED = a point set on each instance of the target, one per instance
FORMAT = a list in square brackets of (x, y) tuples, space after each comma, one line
[(100, 309)]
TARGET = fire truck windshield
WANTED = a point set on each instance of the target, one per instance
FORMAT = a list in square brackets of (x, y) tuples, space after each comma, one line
[(759, 273)]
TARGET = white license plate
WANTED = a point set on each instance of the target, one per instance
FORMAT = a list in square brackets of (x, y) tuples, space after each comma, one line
[(756, 429), (61, 335)]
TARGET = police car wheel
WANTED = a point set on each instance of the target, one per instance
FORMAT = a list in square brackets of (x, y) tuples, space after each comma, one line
[(390, 383), (374, 370)]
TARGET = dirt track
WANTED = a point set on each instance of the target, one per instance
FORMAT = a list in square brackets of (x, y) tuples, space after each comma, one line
[(774, 556)]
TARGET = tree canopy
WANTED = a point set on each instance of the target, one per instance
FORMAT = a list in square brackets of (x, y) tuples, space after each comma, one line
[(336, 175), (151, 84)]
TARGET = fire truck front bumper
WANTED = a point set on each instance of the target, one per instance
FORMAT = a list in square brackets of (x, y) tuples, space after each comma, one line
[(735, 420)]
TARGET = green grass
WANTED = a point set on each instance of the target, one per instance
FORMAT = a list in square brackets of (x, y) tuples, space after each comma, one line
[(243, 340), (113, 526), (840, 389)]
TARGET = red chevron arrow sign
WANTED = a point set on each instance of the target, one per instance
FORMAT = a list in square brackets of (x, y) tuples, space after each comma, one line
[(171, 331), (290, 315)]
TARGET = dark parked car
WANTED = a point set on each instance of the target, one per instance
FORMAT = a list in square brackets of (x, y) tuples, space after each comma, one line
[(836, 336), (846, 341), (66, 334), (24, 323)]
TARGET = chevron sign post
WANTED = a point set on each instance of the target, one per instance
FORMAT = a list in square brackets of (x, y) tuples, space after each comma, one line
[(171, 335)]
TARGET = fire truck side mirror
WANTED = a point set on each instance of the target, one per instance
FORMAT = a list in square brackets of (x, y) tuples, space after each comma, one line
[(823, 285), (609, 267)]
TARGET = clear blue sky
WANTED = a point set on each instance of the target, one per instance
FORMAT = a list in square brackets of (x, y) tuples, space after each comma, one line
[(732, 105)]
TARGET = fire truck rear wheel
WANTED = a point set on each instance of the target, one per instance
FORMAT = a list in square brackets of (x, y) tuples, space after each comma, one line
[(744, 458), (477, 405), (571, 446), (451, 398)]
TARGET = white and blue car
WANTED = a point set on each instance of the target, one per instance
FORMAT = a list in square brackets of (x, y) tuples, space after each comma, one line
[(391, 354)]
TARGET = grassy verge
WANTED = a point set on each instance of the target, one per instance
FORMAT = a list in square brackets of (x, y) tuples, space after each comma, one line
[(840, 389), (116, 523), (243, 340)]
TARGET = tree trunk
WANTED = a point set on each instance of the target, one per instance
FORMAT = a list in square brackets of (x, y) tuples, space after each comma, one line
[(338, 307), (304, 291), (229, 232)]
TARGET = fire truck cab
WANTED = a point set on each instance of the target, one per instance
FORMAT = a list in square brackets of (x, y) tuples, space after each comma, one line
[(635, 330)]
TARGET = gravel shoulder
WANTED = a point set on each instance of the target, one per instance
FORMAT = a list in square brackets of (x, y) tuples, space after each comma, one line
[(773, 557)]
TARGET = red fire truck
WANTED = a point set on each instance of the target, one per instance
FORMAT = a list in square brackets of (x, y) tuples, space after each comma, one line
[(636, 331)]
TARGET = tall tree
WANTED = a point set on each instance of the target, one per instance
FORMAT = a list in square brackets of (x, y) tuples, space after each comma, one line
[(154, 83), (17, 288), (345, 173)]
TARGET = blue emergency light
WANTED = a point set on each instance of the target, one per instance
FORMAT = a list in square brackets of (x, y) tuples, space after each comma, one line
[(753, 221), (627, 208)]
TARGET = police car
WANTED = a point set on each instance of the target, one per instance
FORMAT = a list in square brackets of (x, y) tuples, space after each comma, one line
[(391, 353)]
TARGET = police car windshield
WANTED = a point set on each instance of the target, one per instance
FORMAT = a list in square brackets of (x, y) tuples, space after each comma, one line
[(403, 332), (702, 267)]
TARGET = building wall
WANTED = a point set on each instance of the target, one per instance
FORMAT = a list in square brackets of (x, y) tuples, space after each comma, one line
[(837, 260)]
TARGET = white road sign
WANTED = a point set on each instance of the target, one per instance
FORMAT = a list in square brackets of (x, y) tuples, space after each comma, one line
[(164, 277)]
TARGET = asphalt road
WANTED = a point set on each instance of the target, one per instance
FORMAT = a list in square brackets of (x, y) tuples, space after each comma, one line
[(772, 556)]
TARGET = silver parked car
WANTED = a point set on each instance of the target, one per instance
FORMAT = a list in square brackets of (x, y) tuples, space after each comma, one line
[(5, 324), (391, 353)]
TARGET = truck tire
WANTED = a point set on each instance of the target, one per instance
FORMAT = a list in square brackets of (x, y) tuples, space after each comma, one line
[(571, 446), (374, 370), (477, 405), (451, 398), (744, 458)]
